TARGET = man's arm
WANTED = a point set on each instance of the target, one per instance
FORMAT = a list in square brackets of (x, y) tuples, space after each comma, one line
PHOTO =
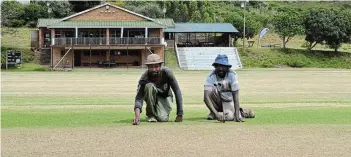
[(208, 102), (238, 118), (139, 96), (234, 85), (178, 94), (211, 86), (138, 103)]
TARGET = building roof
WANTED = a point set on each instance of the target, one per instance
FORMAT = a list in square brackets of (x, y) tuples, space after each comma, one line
[(202, 28), (56, 23), (66, 23), (46, 22), (166, 22)]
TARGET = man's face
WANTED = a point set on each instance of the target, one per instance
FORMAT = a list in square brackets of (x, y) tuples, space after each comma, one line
[(221, 70), (154, 69)]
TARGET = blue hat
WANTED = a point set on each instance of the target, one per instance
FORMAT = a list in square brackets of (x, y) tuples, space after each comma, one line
[(222, 60)]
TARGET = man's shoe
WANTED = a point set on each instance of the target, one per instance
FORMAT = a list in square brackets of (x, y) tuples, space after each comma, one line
[(152, 119), (211, 117), (247, 113)]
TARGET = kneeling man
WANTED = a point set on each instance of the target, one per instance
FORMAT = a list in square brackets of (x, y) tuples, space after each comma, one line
[(154, 87), (221, 93)]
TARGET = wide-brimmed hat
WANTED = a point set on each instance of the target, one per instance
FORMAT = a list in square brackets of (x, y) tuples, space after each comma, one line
[(222, 60), (153, 59)]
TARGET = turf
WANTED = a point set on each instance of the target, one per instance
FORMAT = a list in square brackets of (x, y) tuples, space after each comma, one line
[(98, 98), (56, 118)]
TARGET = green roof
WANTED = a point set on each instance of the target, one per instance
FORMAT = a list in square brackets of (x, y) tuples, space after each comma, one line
[(46, 22), (202, 28), (167, 22), (56, 23)]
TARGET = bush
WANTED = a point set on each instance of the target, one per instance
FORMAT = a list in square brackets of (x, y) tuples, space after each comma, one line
[(298, 61)]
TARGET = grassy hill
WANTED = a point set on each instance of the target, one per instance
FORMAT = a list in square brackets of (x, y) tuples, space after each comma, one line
[(16, 37)]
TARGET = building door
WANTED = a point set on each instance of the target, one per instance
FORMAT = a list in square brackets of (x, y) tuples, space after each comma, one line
[(77, 58), (47, 39)]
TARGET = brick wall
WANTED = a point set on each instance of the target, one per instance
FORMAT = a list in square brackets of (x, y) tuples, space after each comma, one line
[(57, 56), (111, 14)]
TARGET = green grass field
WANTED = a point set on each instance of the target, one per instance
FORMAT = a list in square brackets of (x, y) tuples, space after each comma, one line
[(83, 98), (88, 112)]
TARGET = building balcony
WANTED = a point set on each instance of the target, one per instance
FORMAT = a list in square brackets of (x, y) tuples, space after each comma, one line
[(81, 41)]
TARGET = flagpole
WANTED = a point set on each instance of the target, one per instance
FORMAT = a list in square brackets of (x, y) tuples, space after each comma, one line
[(258, 44)]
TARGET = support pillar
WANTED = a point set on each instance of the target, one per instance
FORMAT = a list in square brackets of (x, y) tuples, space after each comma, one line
[(52, 36), (107, 36)]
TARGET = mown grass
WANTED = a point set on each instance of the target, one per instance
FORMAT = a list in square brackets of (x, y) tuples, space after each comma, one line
[(118, 87), (195, 116), (67, 99)]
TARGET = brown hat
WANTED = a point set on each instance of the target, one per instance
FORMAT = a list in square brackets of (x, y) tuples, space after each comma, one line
[(153, 59)]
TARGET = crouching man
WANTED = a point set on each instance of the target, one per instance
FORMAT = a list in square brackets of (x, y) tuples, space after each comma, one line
[(154, 87), (221, 93)]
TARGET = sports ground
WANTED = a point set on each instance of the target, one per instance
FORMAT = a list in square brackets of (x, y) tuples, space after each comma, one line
[(89, 112)]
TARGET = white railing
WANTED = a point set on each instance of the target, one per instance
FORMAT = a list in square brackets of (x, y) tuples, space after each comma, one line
[(177, 54), (201, 58), (103, 41)]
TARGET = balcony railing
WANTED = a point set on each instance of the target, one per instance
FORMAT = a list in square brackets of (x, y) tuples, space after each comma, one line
[(103, 41)]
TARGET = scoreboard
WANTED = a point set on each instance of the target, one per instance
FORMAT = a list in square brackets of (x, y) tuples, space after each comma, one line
[(13, 57)]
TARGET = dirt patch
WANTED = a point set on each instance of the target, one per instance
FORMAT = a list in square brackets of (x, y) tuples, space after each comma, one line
[(214, 139)]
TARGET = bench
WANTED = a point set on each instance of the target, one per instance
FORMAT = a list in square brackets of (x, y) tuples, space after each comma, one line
[(271, 45)]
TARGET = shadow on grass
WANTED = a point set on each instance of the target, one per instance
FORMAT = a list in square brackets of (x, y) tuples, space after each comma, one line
[(143, 120)]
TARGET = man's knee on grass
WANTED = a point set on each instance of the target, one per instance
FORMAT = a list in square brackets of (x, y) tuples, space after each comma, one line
[(162, 118)]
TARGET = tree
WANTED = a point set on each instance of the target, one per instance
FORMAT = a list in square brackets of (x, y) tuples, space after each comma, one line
[(340, 33), (176, 15), (33, 12), (251, 25), (185, 13), (331, 27), (78, 6), (287, 24), (192, 7), (150, 10), (59, 9), (206, 18), (196, 16), (12, 14), (316, 24)]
